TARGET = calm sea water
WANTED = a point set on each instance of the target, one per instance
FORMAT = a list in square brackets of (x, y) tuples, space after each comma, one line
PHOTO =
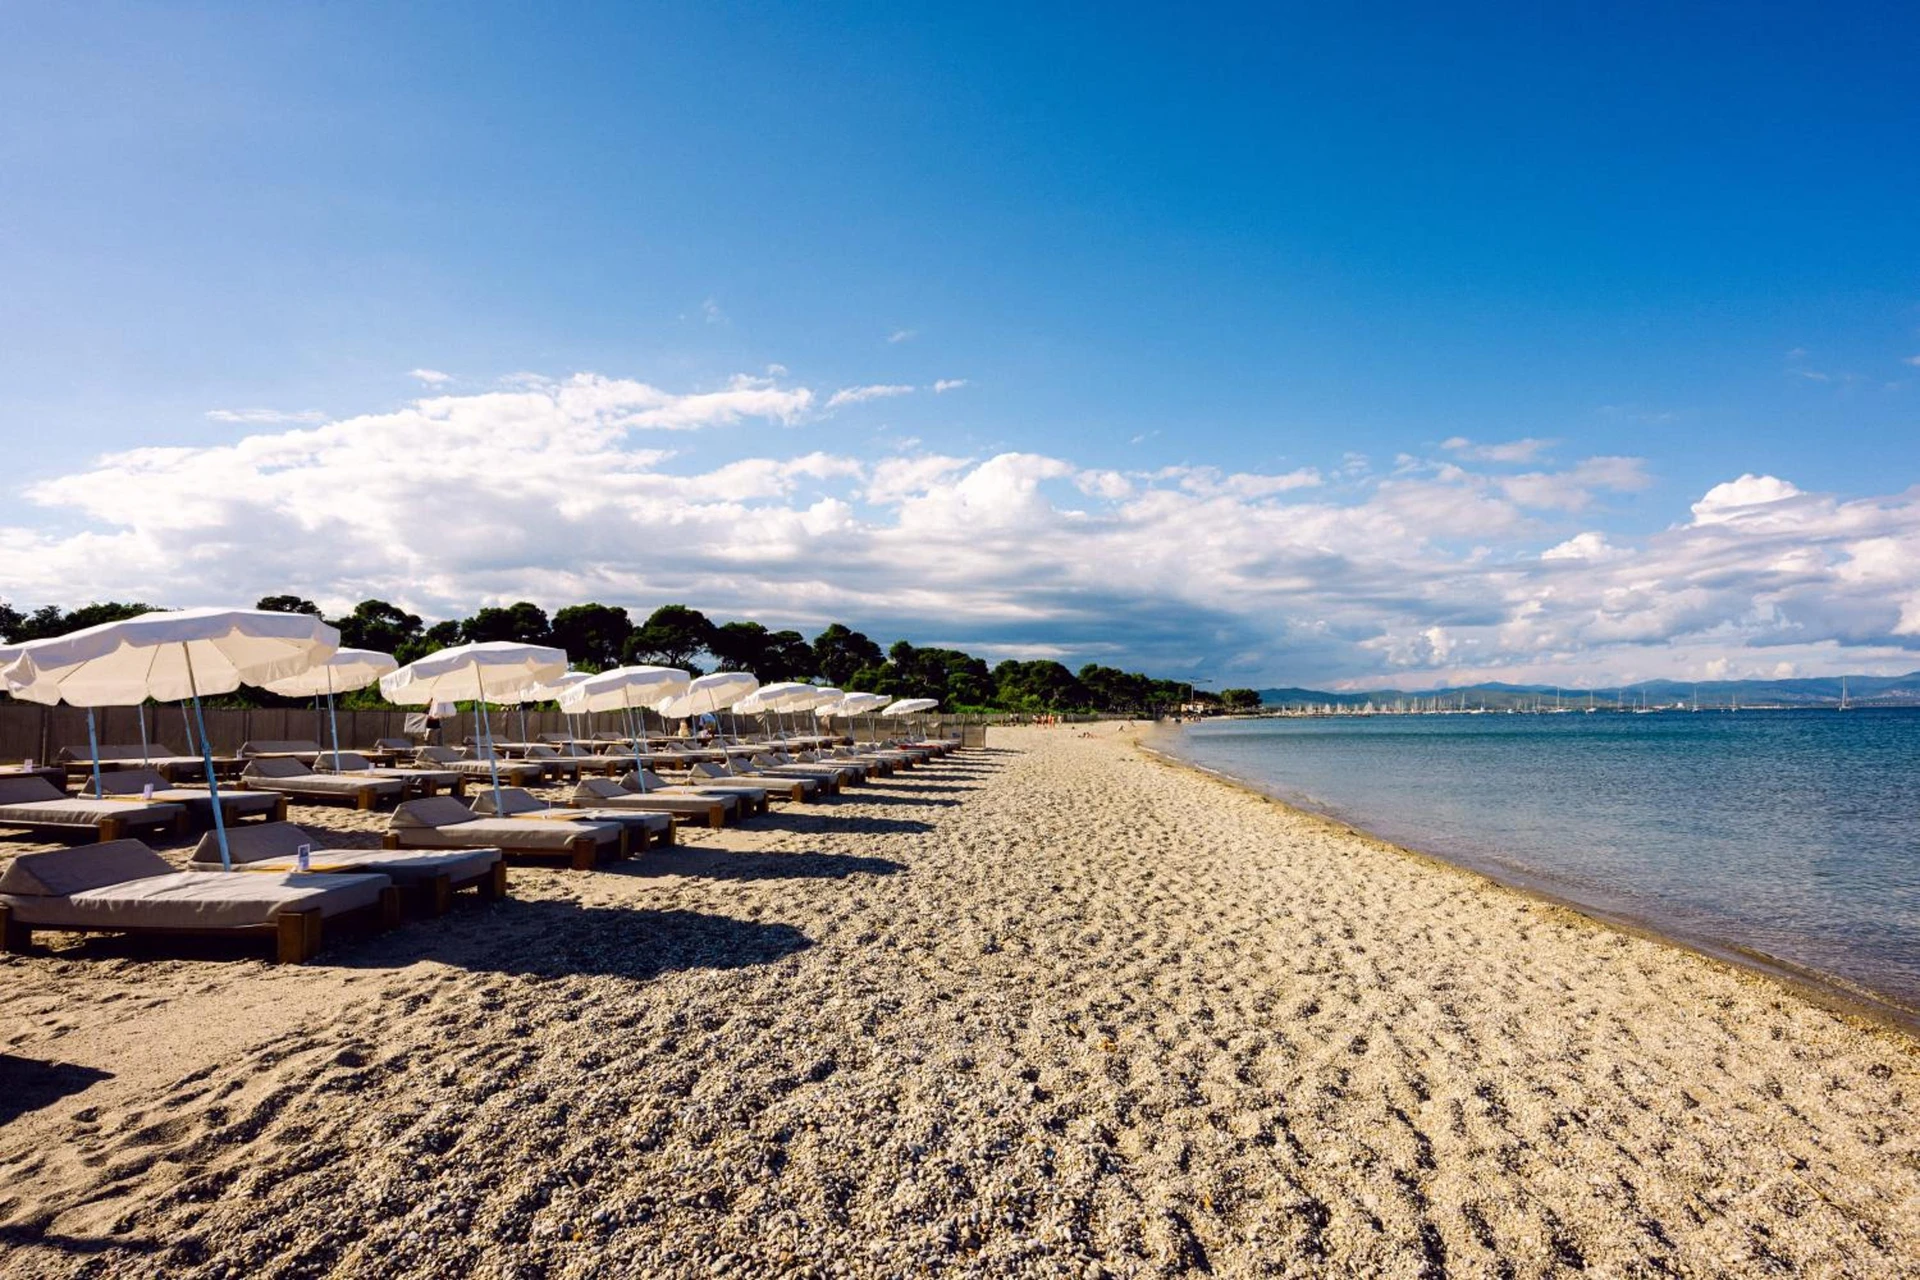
[(1794, 833)]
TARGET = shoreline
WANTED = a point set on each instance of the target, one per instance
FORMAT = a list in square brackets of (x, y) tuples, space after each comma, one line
[(1828, 991)]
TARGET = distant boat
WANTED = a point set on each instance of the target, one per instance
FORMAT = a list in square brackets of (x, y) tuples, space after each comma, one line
[(1843, 695)]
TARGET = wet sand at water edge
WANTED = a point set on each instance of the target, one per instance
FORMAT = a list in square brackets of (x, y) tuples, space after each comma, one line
[(1052, 1008)]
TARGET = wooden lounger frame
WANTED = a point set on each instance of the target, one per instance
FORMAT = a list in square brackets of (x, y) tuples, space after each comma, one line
[(296, 934), (365, 797), (103, 830), (582, 852)]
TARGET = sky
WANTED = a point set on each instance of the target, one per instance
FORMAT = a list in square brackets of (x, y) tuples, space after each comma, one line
[(1325, 345)]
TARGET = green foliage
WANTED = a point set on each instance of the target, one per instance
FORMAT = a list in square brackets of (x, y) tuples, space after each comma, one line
[(840, 654), (377, 625), (672, 636), (597, 636), (287, 604), (594, 635), (51, 620), (1240, 699), (523, 622)]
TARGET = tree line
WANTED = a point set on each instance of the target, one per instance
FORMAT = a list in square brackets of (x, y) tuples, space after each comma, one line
[(598, 636)]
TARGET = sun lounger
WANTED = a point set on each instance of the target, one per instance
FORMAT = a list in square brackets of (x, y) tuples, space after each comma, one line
[(291, 778), (293, 749), (420, 780), (38, 805), (554, 766), (592, 761), (275, 848), (842, 775), (605, 793), (783, 787), (513, 773), (116, 755), (234, 805), (441, 822), (642, 826), (124, 887), (752, 799)]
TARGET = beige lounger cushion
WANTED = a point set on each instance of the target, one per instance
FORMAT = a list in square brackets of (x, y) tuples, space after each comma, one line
[(122, 883), (672, 799), (278, 773), (291, 747), (155, 754), (514, 801), (277, 845), (443, 822), (353, 763), (31, 801), (130, 782)]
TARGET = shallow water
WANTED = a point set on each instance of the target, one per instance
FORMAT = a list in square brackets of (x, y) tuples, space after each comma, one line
[(1793, 833)]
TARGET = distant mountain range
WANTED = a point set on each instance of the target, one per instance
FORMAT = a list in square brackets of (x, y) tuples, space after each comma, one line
[(1863, 691)]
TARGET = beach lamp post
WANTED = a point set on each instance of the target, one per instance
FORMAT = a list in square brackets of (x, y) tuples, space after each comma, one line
[(169, 656)]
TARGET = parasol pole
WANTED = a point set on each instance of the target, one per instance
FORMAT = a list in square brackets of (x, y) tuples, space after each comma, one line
[(142, 709), (333, 722), (486, 735), (639, 765), (206, 757), (93, 749)]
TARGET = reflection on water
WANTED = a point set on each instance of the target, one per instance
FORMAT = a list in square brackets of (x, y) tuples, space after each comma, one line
[(1795, 833)]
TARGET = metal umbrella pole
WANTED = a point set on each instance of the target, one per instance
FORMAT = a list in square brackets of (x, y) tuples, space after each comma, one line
[(486, 735), (333, 723), (639, 765), (142, 709), (206, 757), (93, 749)]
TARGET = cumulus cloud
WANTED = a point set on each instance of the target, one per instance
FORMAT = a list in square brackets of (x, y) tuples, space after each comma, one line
[(1525, 450), (431, 377), (859, 395), (560, 490), (944, 385), (265, 417)]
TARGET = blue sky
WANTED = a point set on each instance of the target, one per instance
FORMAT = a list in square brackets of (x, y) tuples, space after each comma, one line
[(1252, 240)]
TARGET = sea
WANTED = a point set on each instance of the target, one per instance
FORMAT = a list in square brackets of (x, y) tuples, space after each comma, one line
[(1790, 839)]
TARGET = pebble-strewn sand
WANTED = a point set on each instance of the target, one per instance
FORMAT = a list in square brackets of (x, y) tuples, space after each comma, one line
[(1051, 1009)]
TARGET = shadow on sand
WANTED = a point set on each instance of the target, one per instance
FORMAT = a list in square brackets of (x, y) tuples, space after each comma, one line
[(564, 939), (719, 864), (545, 938), (28, 1084), (832, 823)]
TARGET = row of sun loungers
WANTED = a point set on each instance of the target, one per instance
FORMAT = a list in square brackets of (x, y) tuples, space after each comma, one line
[(434, 846)]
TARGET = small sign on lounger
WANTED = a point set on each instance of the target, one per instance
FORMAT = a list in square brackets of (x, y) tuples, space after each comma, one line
[(303, 858)]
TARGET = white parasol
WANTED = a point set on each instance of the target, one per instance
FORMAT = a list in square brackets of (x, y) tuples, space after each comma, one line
[(171, 656)]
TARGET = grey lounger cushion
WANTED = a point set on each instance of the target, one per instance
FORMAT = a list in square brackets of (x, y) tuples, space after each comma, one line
[(130, 782), (32, 801), (277, 845), (279, 773), (442, 822), (122, 884), (514, 801)]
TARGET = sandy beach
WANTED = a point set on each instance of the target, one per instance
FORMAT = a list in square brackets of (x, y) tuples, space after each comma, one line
[(1051, 1008)]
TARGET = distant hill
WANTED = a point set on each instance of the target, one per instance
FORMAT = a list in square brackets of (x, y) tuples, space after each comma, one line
[(1864, 691)]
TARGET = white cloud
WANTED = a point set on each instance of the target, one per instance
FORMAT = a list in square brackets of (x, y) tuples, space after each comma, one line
[(431, 377), (1912, 360), (556, 491), (860, 395), (1525, 450), (265, 417), (903, 335), (710, 312), (1741, 499), (945, 385)]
